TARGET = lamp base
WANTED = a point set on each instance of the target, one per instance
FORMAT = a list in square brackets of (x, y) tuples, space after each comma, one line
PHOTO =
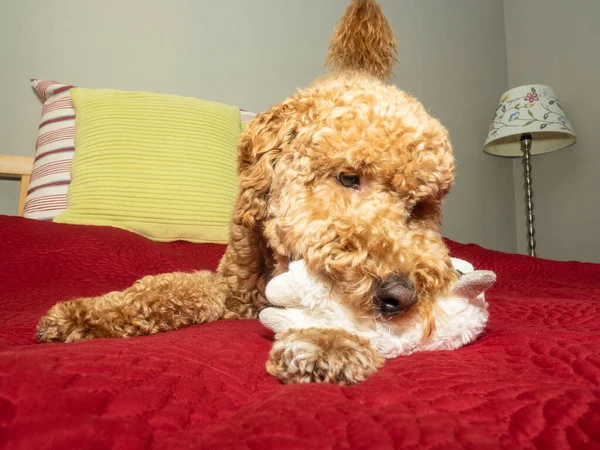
[(526, 140)]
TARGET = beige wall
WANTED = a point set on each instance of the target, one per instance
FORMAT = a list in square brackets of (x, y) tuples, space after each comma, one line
[(556, 42), (254, 53)]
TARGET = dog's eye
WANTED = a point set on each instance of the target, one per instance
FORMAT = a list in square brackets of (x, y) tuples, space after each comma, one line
[(350, 181)]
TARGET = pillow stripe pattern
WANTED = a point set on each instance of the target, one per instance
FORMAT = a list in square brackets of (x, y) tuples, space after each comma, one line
[(163, 166), (50, 178), (55, 147)]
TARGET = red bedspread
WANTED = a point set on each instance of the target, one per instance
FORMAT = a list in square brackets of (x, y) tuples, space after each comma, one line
[(533, 380)]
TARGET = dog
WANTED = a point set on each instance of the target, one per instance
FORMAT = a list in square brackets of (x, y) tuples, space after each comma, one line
[(348, 174)]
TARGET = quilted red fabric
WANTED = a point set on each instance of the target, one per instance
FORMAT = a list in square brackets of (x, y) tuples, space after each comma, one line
[(532, 381)]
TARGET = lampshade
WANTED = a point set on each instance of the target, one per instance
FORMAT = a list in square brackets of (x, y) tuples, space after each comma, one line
[(532, 109)]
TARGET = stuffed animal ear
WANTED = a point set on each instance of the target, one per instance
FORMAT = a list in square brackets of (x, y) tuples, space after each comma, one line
[(470, 285), (282, 291), (276, 319)]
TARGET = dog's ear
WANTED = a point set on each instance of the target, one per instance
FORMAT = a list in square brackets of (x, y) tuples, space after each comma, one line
[(261, 145)]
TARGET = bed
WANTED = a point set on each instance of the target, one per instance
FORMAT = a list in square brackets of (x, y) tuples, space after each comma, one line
[(532, 381)]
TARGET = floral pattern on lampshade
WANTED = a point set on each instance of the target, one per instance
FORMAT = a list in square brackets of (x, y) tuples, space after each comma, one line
[(533, 109)]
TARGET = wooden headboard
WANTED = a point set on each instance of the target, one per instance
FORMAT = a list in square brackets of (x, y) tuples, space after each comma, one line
[(19, 167)]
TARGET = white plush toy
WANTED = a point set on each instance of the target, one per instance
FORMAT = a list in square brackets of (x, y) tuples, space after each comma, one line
[(302, 301)]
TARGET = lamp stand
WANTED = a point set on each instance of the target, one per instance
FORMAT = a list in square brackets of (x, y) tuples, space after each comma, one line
[(526, 140)]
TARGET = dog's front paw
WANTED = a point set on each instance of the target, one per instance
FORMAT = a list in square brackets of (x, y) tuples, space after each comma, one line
[(323, 356), (65, 322)]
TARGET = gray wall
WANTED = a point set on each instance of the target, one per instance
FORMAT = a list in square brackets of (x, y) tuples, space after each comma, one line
[(255, 53), (563, 51)]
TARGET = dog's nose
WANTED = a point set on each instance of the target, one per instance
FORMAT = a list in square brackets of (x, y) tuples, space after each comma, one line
[(395, 296)]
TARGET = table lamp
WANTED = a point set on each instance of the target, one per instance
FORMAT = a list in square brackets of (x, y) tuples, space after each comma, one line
[(528, 121)]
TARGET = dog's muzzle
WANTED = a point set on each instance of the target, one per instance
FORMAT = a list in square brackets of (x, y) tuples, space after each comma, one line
[(395, 296)]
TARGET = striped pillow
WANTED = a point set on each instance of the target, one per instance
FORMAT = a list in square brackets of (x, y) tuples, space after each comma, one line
[(54, 150), (246, 117), (47, 192)]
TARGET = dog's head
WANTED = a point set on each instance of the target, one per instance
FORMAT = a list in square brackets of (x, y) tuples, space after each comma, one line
[(349, 175)]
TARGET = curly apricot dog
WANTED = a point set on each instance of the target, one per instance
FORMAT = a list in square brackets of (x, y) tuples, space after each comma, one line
[(348, 174)]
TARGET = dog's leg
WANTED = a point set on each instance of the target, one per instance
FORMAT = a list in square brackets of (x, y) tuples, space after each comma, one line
[(167, 301), (323, 356), (154, 303)]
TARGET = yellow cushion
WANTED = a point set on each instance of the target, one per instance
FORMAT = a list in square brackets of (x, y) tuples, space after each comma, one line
[(163, 166)]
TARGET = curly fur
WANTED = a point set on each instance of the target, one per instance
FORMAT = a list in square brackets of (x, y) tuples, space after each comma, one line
[(290, 206), (152, 304), (323, 356)]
